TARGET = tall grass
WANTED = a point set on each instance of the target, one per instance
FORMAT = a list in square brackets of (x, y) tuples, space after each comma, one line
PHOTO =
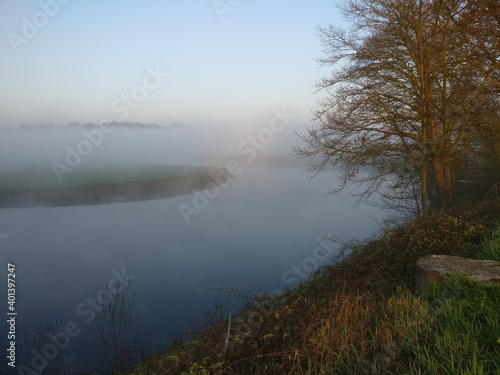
[(465, 338), (490, 248)]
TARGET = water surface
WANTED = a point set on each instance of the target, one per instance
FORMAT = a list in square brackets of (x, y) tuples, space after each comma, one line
[(256, 229)]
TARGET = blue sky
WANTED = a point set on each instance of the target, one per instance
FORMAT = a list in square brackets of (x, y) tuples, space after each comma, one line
[(230, 67)]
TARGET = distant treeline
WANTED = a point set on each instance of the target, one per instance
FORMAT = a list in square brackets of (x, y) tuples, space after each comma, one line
[(76, 125)]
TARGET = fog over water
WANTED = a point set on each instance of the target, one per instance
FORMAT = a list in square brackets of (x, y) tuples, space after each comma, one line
[(236, 99), (260, 230), (189, 145)]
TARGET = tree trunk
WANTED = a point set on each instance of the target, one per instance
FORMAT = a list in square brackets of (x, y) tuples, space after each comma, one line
[(423, 188), (444, 182)]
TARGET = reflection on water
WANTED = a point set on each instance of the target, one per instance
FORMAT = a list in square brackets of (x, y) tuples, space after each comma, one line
[(261, 224)]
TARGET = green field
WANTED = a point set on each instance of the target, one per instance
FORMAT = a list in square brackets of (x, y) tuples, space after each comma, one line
[(97, 184)]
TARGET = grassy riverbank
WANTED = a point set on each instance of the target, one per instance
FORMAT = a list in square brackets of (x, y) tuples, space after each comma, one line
[(98, 184), (360, 314)]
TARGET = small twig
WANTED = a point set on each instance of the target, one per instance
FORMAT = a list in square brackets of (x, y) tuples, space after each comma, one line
[(226, 343)]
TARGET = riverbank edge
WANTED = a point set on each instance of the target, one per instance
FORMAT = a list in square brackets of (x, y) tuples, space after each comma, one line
[(368, 282), (110, 192)]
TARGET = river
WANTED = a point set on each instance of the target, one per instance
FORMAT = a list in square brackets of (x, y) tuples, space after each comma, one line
[(259, 230)]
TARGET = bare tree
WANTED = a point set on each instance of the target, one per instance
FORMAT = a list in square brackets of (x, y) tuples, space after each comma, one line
[(402, 98)]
